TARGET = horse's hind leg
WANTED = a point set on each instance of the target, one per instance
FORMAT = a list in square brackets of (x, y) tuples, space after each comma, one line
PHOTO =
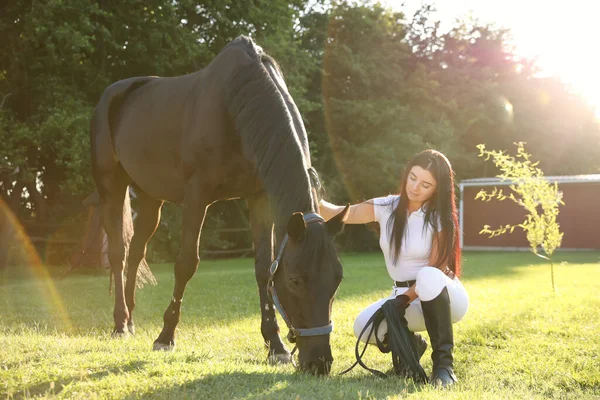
[(113, 187), (146, 222), (194, 209), (262, 236)]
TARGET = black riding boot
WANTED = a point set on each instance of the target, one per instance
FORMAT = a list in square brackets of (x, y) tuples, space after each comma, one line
[(439, 326), (420, 343)]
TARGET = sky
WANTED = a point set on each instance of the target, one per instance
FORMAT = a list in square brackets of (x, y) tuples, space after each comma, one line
[(562, 35)]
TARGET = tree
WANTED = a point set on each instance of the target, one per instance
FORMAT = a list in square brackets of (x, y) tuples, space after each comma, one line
[(373, 87), (57, 57), (530, 190), (500, 98), (376, 100)]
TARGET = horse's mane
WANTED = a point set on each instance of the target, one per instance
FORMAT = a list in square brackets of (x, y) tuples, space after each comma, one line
[(268, 136), (269, 61)]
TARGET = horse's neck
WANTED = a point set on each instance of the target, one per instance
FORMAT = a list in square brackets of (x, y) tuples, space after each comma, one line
[(304, 204)]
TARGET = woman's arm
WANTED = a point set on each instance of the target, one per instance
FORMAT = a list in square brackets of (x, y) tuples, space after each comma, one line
[(361, 213), (434, 261), (434, 258), (411, 293)]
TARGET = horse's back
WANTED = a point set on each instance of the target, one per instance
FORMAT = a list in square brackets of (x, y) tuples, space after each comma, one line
[(171, 128), (162, 130), (150, 131)]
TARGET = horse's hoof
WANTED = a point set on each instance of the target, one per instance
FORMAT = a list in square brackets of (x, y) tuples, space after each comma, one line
[(163, 347), (120, 334), (131, 328), (276, 359)]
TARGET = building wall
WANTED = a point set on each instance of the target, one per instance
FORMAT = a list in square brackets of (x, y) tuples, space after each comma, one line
[(579, 218)]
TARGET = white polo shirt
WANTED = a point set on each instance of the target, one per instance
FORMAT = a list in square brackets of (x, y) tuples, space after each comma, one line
[(416, 243)]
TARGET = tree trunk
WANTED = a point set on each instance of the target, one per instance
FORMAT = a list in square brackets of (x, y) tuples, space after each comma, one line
[(5, 187), (15, 196), (41, 208)]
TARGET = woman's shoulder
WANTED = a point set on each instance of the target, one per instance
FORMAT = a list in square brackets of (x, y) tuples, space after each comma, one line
[(391, 200), (384, 206)]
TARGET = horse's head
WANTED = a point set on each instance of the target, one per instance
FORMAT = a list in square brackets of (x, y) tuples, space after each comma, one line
[(309, 273)]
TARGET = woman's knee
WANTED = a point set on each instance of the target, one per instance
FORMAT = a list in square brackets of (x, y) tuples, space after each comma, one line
[(362, 320), (459, 302), (361, 330), (430, 283), (359, 325)]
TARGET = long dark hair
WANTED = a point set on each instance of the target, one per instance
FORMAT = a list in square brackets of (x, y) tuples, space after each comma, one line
[(441, 206)]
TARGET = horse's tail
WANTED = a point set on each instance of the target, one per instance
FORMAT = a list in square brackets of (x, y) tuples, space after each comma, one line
[(104, 156), (144, 274), (127, 235)]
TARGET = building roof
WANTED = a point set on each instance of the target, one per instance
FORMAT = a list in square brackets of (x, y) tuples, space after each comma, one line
[(590, 178)]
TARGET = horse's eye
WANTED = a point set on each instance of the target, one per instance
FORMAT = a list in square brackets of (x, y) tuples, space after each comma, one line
[(295, 281)]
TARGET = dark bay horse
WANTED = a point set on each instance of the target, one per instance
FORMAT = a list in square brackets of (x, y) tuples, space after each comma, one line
[(230, 130)]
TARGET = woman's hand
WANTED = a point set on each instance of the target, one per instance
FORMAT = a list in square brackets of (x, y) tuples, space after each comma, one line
[(401, 303), (361, 213)]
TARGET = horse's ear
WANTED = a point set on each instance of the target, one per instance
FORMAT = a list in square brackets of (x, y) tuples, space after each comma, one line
[(336, 224), (296, 227)]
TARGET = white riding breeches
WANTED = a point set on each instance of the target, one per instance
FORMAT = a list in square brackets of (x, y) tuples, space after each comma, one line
[(430, 283)]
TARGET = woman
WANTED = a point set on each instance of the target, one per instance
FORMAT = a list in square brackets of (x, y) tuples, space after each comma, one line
[(420, 242)]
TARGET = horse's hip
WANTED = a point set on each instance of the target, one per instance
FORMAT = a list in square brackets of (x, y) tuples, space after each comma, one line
[(170, 130)]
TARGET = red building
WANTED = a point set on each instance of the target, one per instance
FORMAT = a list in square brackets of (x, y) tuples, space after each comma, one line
[(579, 218)]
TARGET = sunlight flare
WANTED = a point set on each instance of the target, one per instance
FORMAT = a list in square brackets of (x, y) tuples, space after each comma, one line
[(21, 252)]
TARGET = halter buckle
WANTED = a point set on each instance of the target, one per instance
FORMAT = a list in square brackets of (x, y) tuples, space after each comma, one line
[(273, 268)]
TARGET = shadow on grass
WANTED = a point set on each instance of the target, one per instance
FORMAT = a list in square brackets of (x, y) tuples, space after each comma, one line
[(284, 386), (55, 387)]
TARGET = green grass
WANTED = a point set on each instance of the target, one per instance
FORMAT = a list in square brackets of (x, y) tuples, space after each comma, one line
[(518, 340)]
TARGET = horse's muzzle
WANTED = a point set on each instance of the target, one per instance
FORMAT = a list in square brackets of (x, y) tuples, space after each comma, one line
[(314, 356)]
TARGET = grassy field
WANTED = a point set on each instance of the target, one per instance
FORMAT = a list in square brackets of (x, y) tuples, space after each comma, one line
[(518, 340)]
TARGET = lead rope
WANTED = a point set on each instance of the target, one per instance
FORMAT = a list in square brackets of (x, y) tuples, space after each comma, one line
[(373, 322), (404, 353)]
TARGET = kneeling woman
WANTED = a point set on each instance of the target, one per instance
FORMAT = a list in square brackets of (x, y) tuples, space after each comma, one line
[(419, 240)]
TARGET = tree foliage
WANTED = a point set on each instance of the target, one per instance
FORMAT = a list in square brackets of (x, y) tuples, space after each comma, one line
[(374, 87), (530, 190)]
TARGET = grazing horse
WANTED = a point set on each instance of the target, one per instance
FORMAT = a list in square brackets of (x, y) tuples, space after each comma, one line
[(230, 130)]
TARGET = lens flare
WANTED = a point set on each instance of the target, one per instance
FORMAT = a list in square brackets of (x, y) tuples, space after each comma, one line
[(331, 106), (17, 250), (508, 109)]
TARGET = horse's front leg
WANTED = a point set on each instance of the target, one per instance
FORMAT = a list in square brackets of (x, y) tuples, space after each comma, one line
[(194, 210), (262, 236)]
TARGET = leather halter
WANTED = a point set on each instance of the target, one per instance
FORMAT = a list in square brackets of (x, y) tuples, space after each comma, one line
[(317, 331)]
